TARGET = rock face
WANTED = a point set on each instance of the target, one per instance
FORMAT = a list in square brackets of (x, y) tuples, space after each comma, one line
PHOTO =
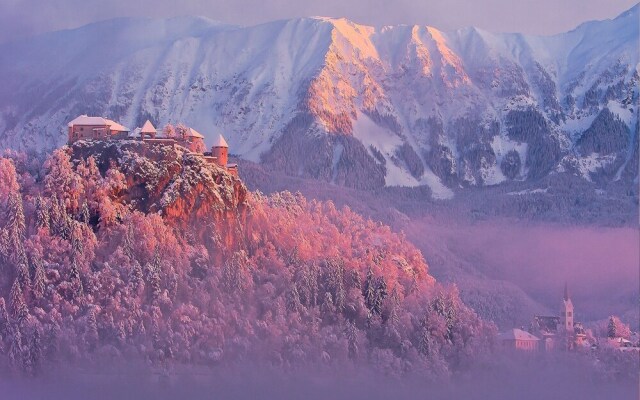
[(180, 185), (345, 103)]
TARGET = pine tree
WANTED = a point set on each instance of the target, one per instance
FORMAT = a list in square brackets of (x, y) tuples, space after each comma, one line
[(42, 214), (77, 247), (369, 290), (352, 338), (15, 220), (4, 248), (91, 332), (451, 318), (74, 278), (611, 328), (293, 299), (60, 220), (19, 309), (121, 333), (22, 271), (4, 319), (393, 318), (85, 214), (51, 341), (380, 294), (425, 345), (336, 281), (327, 307), (127, 245), (35, 353), (54, 216), (38, 285), (356, 280), (16, 349), (136, 278), (153, 279)]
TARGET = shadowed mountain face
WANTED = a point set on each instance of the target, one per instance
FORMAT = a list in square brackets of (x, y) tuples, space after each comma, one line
[(345, 103)]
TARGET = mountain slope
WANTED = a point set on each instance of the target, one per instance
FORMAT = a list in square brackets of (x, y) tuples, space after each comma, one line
[(346, 103)]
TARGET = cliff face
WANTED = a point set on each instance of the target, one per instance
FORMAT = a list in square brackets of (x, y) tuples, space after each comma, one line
[(187, 191)]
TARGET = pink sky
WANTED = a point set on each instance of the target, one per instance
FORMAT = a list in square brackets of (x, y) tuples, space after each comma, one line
[(19, 18)]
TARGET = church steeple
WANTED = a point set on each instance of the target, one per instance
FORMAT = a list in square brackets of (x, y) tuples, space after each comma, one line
[(566, 311)]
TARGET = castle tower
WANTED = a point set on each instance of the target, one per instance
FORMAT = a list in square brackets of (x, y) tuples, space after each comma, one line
[(220, 150), (566, 312), (148, 130)]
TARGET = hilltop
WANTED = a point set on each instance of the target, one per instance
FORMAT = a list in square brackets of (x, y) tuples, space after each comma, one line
[(119, 250)]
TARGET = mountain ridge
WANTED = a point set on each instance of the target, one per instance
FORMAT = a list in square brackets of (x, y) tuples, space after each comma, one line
[(403, 105)]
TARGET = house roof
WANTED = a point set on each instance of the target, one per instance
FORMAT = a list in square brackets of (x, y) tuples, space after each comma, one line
[(148, 128), (220, 142), (193, 133), (517, 334)]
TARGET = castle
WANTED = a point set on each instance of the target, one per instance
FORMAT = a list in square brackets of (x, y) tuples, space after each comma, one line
[(87, 127)]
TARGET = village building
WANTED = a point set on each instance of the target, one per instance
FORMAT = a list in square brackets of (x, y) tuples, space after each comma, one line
[(95, 128), (518, 339), (562, 331)]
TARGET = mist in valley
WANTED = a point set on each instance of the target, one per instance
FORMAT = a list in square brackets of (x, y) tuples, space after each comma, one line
[(599, 264), (507, 377)]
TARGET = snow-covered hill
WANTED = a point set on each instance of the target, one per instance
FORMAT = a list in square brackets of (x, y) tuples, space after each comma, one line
[(346, 103)]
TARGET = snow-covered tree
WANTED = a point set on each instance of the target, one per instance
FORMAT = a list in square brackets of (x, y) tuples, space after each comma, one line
[(4, 319), (35, 353), (15, 220), (38, 284), (43, 220), (169, 131), (18, 307)]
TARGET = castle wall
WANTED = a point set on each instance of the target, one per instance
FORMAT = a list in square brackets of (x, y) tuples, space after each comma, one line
[(87, 132)]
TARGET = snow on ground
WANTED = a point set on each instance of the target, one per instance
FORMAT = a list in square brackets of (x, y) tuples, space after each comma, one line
[(626, 114), (528, 191), (387, 143), (575, 126), (501, 145), (593, 163)]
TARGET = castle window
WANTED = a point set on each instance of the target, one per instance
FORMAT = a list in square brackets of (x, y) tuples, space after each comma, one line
[(569, 314)]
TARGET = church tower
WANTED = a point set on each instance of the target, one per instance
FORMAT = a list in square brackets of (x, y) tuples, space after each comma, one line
[(566, 312)]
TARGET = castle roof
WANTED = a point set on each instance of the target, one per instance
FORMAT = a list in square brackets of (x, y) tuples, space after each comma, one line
[(148, 128), (114, 126), (193, 133), (97, 121), (517, 334), (86, 120), (220, 142)]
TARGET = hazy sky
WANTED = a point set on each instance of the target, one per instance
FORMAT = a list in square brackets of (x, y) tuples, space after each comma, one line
[(19, 18)]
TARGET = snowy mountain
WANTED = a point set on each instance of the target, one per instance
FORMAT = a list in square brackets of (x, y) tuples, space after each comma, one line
[(346, 103)]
